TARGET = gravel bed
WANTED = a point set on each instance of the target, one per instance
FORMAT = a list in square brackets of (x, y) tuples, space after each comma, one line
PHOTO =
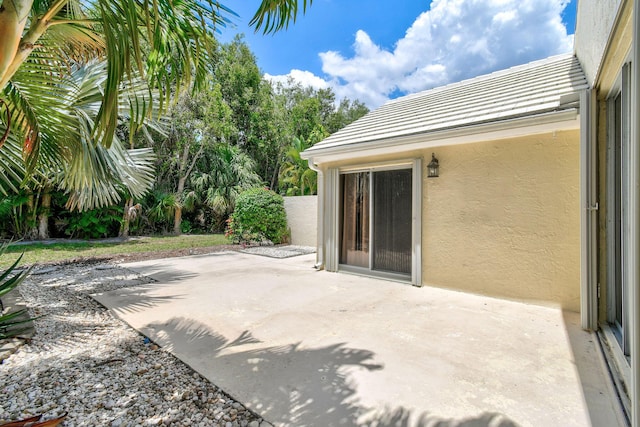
[(84, 361), (279, 251)]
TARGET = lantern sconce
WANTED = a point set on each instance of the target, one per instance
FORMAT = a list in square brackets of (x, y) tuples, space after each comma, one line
[(433, 167)]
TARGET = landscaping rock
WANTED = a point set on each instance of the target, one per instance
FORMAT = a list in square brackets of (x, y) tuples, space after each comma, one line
[(84, 361)]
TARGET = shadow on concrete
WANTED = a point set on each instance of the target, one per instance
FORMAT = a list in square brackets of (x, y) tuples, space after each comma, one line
[(293, 385), (162, 273), (137, 299), (403, 418)]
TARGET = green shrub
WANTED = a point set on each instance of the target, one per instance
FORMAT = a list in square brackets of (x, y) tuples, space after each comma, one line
[(95, 223), (185, 226), (258, 215)]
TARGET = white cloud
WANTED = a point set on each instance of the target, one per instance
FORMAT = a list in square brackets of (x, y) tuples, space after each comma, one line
[(305, 78), (454, 40)]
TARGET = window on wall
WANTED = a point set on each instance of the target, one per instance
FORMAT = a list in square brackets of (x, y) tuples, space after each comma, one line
[(376, 220)]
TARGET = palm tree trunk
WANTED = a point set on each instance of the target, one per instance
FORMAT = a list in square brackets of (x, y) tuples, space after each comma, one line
[(126, 218), (13, 18), (16, 48), (177, 220), (43, 218), (177, 216), (31, 231), (185, 172)]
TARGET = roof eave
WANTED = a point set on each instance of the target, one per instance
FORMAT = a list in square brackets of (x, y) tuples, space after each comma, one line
[(566, 119)]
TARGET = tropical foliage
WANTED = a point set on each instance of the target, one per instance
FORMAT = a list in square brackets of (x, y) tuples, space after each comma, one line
[(160, 48), (242, 132), (238, 131), (296, 178), (259, 216)]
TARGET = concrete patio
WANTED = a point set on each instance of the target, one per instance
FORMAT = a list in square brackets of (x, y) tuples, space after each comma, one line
[(308, 348)]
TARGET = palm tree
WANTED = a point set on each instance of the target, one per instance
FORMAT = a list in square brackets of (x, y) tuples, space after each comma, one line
[(296, 178), (166, 44), (231, 172), (113, 170), (225, 172), (91, 173)]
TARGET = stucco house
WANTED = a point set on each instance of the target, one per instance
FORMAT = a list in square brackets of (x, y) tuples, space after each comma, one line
[(502, 218), (536, 189)]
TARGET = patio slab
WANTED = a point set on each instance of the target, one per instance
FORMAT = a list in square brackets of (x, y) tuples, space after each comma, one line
[(310, 348)]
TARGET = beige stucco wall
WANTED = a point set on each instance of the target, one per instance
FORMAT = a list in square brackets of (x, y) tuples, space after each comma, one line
[(503, 219), (302, 214)]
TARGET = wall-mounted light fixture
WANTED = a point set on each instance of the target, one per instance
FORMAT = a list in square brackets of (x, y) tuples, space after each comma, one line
[(433, 167)]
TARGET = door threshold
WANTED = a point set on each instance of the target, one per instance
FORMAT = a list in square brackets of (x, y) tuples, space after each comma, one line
[(618, 366), (359, 271)]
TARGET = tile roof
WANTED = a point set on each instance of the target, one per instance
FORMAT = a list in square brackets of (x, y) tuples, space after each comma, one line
[(548, 85)]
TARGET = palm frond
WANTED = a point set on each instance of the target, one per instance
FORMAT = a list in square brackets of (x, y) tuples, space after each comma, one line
[(168, 42), (60, 117), (275, 15), (96, 175), (39, 95)]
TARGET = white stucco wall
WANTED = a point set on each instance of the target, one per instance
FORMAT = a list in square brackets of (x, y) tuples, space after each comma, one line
[(594, 21), (302, 214)]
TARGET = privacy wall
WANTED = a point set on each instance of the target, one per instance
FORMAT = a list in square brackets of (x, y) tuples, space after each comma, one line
[(302, 218)]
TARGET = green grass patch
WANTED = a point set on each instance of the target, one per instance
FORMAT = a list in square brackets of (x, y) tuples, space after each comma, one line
[(38, 253)]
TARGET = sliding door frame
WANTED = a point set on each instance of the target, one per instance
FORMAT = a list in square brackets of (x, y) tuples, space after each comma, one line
[(415, 165)]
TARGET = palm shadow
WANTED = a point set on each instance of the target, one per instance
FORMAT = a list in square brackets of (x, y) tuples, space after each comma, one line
[(401, 417), (293, 384), (162, 273), (68, 304), (135, 299)]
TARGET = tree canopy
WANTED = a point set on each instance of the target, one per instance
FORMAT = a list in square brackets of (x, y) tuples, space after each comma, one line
[(160, 48), (237, 131), (101, 101)]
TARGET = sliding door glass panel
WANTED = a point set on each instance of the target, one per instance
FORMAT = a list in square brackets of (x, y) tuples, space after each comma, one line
[(617, 221), (354, 247), (392, 221)]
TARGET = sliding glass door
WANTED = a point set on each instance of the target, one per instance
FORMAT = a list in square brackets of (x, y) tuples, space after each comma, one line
[(617, 192), (354, 245), (375, 220), (392, 221)]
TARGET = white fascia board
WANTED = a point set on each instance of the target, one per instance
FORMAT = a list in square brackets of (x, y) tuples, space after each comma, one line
[(532, 125)]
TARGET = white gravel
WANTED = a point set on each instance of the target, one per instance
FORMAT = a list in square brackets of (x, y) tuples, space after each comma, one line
[(84, 361), (279, 251)]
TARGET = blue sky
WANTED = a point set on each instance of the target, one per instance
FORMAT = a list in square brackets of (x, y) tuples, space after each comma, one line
[(369, 51)]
